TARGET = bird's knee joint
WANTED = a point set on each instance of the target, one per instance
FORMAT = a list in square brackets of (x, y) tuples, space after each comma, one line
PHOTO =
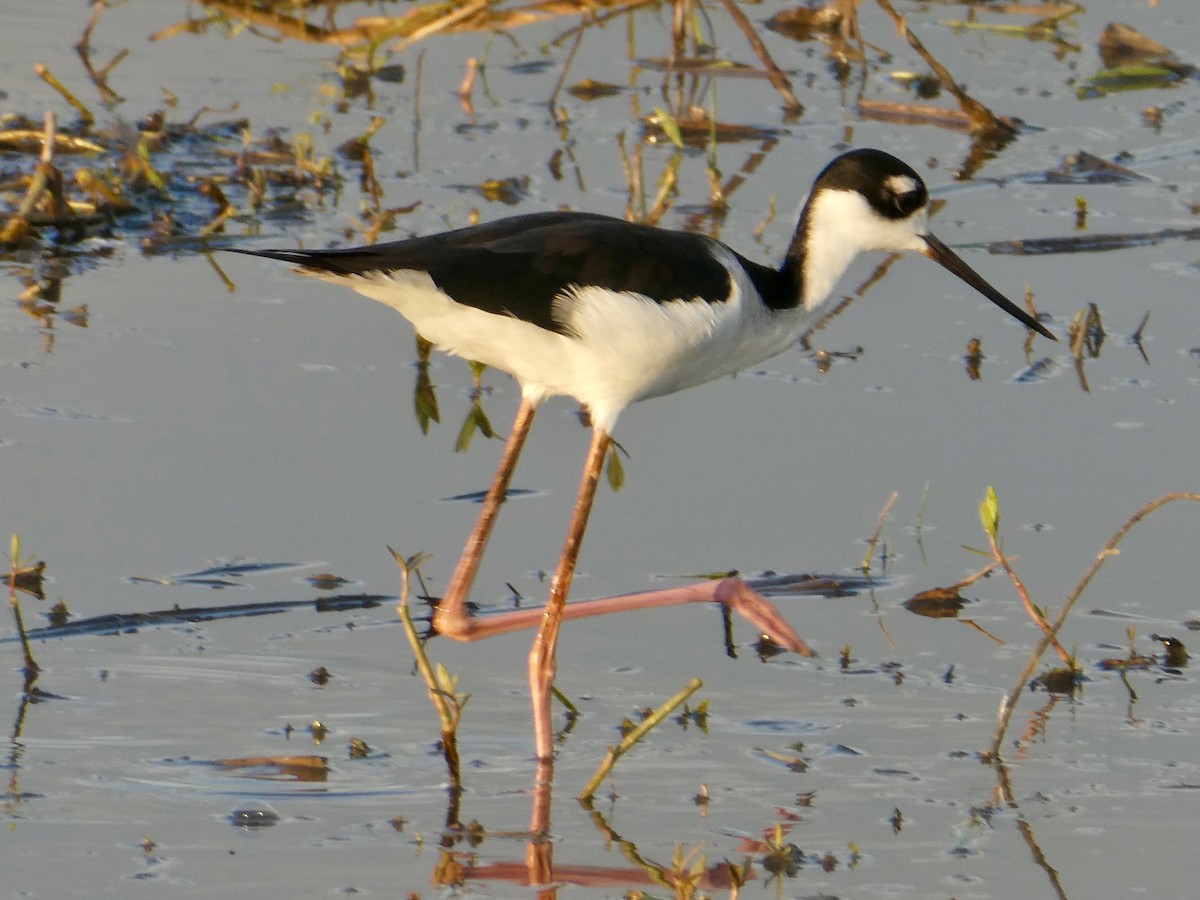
[(457, 628)]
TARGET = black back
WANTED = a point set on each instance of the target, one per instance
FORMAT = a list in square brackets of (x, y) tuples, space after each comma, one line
[(519, 265)]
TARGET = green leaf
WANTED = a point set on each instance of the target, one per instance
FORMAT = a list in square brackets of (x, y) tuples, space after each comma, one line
[(989, 513), (670, 127), (150, 173), (476, 420), (463, 442), (425, 402), (616, 472), (409, 563), (484, 424), (445, 681), (1127, 78)]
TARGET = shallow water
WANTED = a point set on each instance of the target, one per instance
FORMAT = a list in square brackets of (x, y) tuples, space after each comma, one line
[(188, 424)]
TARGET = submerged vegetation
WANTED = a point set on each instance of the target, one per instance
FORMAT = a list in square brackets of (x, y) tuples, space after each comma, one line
[(172, 180)]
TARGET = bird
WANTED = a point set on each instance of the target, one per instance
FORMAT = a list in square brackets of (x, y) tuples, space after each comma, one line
[(610, 313)]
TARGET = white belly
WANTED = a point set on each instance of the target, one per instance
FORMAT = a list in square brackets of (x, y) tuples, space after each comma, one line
[(619, 348)]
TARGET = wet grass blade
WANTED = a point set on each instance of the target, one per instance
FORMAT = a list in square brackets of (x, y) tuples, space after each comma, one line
[(615, 753)]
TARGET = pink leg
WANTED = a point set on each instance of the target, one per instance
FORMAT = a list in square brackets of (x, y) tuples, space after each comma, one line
[(451, 617), (542, 661), (732, 593)]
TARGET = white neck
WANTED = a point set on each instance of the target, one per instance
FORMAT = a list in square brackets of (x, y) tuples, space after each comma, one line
[(841, 225)]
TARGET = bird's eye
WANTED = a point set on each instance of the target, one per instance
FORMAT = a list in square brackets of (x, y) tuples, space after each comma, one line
[(905, 194), (909, 202)]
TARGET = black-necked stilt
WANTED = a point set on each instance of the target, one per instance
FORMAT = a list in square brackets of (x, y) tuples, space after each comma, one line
[(610, 312)]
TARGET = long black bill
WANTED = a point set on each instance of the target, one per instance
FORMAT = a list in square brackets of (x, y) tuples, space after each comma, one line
[(948, 259)]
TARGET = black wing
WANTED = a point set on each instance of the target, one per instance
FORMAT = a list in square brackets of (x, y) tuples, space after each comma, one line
[(518, 266)]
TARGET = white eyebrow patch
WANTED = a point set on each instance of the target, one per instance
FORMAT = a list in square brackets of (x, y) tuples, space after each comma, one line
[(900, 184)]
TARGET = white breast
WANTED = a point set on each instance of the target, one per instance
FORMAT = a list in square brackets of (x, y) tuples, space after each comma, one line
[(619, 348)]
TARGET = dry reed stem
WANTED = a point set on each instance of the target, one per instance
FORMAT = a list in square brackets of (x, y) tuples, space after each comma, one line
[(566, 66), (31, 667), (1034, 613), (85, 114), (449, 708), (981, 118), (793, 106), (444, 23), (874, 539), (1008, 703)]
